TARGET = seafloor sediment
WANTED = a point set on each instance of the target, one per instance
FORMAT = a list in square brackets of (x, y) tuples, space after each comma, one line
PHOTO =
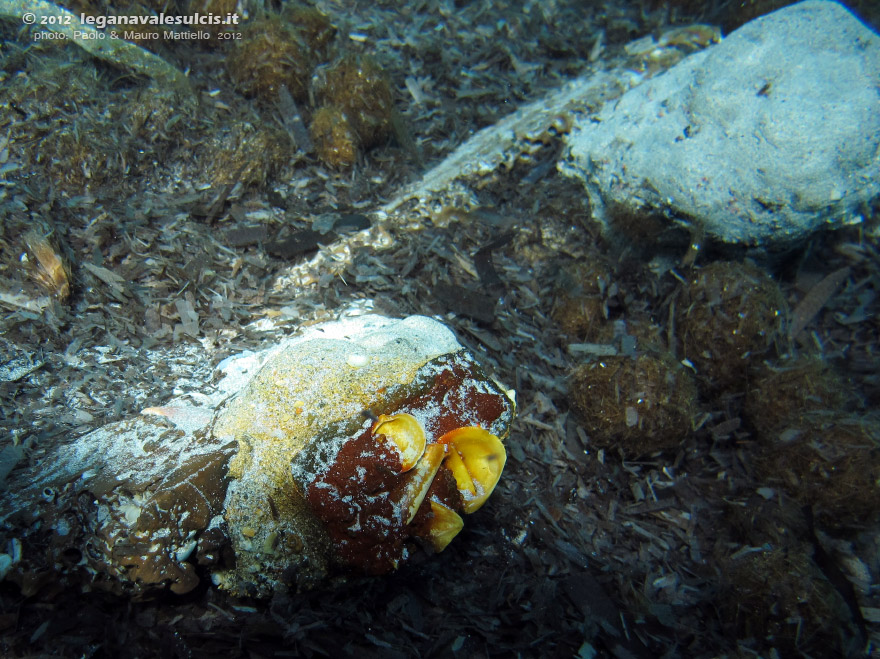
[(184, 230)]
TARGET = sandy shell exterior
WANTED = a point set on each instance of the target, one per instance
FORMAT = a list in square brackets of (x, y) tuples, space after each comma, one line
[(312, 396), (150, 503)]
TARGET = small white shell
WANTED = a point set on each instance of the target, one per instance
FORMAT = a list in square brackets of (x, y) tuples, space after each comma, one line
[(184, 552), (131, 513)]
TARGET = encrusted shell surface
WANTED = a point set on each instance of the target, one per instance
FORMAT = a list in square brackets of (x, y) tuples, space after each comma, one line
[(282, 452), (231, 486)]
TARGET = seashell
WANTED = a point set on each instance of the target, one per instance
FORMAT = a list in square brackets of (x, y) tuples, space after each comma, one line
[(476, 459), (406, 433), (422, 478), (278, 481), (444, 525)]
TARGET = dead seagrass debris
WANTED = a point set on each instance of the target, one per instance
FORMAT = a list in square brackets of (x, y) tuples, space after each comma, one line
[(17, 362), (812, 303), (293, 121), (115, 51), (34, 270), (279, 480)]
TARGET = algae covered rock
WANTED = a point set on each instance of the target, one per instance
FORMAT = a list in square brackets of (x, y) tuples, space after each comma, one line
[(308, 421), (346, 449), (759, 140)]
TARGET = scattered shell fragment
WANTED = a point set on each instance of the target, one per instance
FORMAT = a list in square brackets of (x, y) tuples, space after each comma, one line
[(48, 270)]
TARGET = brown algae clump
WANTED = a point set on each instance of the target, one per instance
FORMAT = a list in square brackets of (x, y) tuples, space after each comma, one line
[(272, 54), (780, 397), (831, 464), (220, 8), (581, 316), (80, 155), (731, 316), (358, 87), (823, 458), (780, 593), (641, 404), (248, 155), (335, 141), (580, 306), (315, 27)]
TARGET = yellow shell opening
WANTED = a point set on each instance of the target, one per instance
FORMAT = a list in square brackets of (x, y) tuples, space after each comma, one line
[(476, 459), (444, 526), (406, 433), (420, 481)]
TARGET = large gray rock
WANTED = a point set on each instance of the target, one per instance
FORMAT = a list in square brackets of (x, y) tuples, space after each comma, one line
[(759, 140)]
